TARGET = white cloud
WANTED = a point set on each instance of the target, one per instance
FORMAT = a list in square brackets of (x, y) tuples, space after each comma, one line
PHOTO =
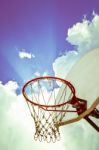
[(39, 74), (45, 73), (85, 36), (11, 86), (23, 54), (63, 64), (16, 124)]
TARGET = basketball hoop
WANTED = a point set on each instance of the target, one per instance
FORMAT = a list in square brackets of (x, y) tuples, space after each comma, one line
[(48, 108), (40, 94)]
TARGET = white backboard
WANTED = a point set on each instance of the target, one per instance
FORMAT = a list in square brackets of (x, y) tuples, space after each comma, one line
[(84, 75)]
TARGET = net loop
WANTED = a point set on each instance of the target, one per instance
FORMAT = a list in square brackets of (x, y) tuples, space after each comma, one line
[(46, 132), (47, 106)]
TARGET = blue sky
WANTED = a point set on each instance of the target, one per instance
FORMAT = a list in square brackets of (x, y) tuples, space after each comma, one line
[(39, 27)]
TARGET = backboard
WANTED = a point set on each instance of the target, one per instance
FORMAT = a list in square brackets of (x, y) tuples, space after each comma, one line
[(84, 75)]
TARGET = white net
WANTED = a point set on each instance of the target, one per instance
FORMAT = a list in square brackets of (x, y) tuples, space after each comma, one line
[(46, 108)]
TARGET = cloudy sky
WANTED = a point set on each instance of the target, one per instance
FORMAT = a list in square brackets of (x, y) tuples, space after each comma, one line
[(39, 37)]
